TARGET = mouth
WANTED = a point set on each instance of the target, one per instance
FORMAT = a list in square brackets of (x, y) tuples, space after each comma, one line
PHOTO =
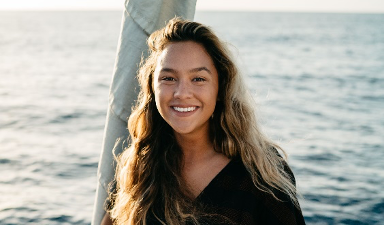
[(184, 109)]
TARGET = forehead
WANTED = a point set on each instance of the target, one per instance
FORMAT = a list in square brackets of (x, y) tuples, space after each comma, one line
[(186, 54)]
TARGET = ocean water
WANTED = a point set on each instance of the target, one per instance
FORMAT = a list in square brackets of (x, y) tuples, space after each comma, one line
[(317, 79)]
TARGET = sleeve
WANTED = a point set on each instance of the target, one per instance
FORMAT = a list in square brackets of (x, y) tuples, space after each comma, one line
[(285, 210), (280, 212), (296, 211)]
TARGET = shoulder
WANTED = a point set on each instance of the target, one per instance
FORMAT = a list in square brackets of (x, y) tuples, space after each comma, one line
[(234, 195), (285, 166)]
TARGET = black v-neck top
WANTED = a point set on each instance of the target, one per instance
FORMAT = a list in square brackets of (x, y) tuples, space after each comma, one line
[(231, 198)]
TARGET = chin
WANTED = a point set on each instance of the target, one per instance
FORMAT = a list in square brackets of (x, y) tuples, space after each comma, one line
[(182, 131)]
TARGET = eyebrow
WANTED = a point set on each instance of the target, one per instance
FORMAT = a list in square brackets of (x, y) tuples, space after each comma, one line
[(195, 70), (203, 68)]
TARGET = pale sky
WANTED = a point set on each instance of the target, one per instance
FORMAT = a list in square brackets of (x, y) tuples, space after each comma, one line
[(228, 5)]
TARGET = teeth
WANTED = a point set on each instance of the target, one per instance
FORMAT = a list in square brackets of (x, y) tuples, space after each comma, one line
[(188, 109)]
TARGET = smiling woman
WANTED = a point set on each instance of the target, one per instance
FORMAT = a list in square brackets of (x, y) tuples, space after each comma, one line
[(186, 88), (197, 155)]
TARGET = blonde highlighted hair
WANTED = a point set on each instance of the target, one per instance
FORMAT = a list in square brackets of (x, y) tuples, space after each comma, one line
[(148, 176)]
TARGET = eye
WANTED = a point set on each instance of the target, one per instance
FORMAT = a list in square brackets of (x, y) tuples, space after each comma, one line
[(168, 79), (199, 79)]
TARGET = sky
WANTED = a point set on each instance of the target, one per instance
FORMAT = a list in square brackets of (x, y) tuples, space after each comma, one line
[(376, 6)]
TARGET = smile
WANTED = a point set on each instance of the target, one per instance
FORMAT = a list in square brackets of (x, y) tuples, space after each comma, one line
[(180, 109)]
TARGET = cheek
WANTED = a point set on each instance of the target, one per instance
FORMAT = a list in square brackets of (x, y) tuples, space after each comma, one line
[(211, 100), (215, 94), (214, 100), (160, 99), (157, 99)]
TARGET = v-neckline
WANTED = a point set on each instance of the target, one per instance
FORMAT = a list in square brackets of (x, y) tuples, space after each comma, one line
[(216, 177)]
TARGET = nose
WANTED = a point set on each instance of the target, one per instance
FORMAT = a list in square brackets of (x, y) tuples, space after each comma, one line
[(183, 90)]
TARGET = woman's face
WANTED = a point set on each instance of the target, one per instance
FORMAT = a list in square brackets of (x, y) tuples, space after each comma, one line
[(186, 87)]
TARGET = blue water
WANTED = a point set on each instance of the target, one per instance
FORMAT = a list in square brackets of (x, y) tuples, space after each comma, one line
[(317, 79)]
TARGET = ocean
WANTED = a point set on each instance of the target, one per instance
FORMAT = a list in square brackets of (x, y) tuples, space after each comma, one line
[(317, 80)]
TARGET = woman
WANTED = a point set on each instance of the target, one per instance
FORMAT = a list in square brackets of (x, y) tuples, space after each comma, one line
[(197, 155)]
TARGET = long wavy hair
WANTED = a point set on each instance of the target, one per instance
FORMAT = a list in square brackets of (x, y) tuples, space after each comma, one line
[(149, 181)]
